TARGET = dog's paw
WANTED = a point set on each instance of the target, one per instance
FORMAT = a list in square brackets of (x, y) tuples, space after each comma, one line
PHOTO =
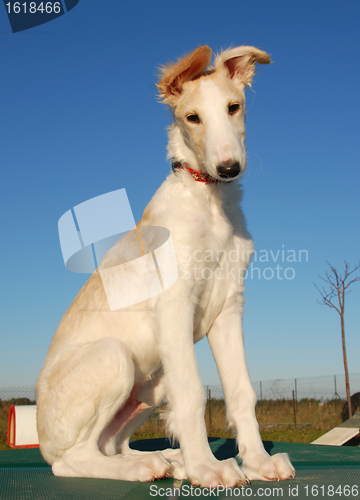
[(177, 470), (267, 468), (174, 457), (218, 473), (149, 467)]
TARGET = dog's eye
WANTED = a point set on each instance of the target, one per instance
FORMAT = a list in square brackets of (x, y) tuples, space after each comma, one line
[(193, 118), (233, 108)]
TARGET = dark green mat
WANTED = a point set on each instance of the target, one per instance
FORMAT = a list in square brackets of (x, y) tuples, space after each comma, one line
[(322, 472)]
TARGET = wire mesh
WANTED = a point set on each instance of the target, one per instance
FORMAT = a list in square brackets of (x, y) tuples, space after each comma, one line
[(324, 388)]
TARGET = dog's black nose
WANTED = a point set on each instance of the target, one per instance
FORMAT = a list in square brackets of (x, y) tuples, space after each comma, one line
[(228, 171)]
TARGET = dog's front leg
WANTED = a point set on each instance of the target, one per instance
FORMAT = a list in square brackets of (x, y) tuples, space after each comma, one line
[(187, 398), (227, 345)]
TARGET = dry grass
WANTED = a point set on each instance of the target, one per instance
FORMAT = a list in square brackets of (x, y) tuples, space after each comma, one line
[(321, 417), (4, 411)]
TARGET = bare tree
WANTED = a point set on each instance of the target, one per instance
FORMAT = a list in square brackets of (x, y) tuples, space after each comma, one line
[(338, 289)]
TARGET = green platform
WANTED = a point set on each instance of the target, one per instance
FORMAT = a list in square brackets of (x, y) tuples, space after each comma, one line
[(322, 472)]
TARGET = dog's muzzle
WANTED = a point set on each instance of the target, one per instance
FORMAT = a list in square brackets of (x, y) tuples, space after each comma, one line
[(228, 171)]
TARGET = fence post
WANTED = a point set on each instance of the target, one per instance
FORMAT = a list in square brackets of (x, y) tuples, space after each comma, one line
[(296, 396), (261, 399), (336, 394), (294, 407), (209, 400)]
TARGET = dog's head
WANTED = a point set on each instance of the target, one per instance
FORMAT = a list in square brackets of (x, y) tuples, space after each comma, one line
[(209, 108)]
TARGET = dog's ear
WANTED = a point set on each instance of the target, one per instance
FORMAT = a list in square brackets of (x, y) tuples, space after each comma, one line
[(173, 76), (239, 62)]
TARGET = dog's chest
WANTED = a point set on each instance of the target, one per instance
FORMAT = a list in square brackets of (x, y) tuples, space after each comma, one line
[(212, 265), (207, 237)]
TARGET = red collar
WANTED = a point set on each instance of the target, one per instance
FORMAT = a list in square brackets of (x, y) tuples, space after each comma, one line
[(198, 176)]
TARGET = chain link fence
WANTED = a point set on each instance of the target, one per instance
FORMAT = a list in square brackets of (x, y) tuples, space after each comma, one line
[(21, 395), (325, 388), (312, 403)]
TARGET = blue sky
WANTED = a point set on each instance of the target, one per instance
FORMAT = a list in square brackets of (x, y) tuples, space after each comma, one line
[(80, 118)]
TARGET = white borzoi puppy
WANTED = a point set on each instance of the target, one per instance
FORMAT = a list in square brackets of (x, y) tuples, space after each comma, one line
[(106, 370)]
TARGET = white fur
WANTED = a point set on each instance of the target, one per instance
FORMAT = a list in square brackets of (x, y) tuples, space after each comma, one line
[(106, 370)]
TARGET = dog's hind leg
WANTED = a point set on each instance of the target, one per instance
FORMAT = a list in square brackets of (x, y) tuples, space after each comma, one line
[(91, 388), (152, 393), (173, 456)]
